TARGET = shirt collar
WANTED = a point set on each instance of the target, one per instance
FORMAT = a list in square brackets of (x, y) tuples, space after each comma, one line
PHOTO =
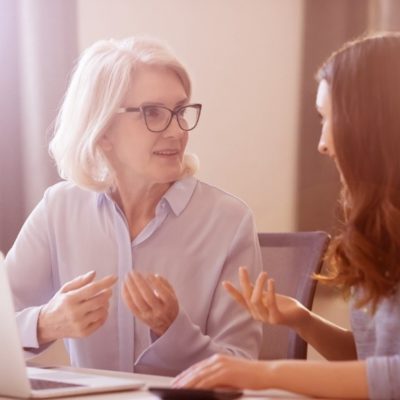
[(177, 196), (180, 193)]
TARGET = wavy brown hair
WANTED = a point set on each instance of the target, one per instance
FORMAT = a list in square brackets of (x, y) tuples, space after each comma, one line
[(364, 81)]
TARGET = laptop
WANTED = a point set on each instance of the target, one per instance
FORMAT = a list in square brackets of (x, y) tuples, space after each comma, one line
[(18, 380)]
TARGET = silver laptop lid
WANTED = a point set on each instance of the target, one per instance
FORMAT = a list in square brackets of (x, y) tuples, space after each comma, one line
[(13, 375)]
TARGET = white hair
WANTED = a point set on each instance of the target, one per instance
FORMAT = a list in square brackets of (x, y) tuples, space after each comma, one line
[(96, 90)]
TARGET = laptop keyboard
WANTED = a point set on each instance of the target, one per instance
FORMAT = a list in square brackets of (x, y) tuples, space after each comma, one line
[(41, 384)]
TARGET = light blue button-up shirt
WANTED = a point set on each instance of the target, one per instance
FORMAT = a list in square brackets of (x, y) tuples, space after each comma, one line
[(377, 339), (198, 238)]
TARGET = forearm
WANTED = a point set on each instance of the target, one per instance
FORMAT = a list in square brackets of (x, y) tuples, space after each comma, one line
[(330, 340), (166, 356), (347, 379)]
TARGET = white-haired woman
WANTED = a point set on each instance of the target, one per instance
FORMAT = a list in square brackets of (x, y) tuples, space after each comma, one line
[(130, 214)]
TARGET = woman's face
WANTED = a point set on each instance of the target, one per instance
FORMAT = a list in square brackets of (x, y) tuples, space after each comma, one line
[(324, 107), (135, 153)]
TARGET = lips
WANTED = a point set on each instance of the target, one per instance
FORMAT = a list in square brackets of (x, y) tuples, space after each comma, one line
[(166, 152)]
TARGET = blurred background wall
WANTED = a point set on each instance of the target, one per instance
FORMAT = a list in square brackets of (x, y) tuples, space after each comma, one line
[(252, 62)]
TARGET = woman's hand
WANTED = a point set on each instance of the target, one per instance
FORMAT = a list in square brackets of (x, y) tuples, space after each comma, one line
[(77, 309), (152, 300), (266, 305), (224, 371)]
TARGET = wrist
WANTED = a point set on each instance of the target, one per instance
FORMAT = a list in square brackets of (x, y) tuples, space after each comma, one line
[(43, 332), (269, 375), (302, 322)]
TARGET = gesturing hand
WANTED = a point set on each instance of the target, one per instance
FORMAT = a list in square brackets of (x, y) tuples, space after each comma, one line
[(266, 305), (77, 309), (152, 300)]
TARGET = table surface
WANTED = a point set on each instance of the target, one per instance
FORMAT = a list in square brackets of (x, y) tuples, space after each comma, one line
[(154, 380)]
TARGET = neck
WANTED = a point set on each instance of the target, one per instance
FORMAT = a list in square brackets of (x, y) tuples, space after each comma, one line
[(138, 203)]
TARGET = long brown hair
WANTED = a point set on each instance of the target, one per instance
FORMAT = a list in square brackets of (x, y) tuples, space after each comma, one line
[(364, 80)]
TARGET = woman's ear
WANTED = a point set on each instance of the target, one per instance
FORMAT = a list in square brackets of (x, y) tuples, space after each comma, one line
[(105, 143)]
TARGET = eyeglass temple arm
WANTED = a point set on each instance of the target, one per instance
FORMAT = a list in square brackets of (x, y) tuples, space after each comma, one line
[(128, 109)]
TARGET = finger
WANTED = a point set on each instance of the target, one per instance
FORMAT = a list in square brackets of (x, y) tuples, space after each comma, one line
[(189, 373), (78, 282), (271, 296), (259, 287), (245, 283), (128, 300), (209, 379), (78, 310), (235, 293), (259, 308), (200, 377), (166, 284), (101, 300), (92, 327), (163, 291), (185, 380), (191, 381), (259, 311), (248, 290), (145, 291), (94, 288), (127, 290), (95, 316), (87, 323)]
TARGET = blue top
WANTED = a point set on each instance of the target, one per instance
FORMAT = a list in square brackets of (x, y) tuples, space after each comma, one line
[(377, 340), (199, 237)]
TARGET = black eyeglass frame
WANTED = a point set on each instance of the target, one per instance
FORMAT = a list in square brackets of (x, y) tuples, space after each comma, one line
[(173, 113)]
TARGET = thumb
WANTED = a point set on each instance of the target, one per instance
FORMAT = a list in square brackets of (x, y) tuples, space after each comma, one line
[(78, 282)]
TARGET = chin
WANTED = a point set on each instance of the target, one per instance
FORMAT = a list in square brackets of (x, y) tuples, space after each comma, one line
[(168, 172), (170, 177)]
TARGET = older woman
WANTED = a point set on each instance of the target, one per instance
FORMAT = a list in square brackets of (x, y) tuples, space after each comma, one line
[(130, 213)]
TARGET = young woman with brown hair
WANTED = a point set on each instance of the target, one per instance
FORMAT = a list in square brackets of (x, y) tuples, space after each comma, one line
[(359, 103)]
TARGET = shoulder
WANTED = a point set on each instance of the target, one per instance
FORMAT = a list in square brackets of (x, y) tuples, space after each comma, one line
[(211, 202), (65, 188), (64, 194), (219, 197)]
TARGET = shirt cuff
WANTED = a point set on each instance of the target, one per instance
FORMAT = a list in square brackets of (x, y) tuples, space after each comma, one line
[(382, 373), (27, 321), (162, 354)]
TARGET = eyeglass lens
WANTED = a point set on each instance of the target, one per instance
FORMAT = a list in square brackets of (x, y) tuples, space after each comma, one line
[(158, 118)]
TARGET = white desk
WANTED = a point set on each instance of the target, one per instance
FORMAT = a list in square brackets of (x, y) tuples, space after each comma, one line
[(153, 380)]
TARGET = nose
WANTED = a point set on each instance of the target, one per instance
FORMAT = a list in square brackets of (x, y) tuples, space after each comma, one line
[(174, 130), (323, 146)]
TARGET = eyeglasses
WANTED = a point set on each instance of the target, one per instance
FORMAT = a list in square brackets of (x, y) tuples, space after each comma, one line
[(158, 118)]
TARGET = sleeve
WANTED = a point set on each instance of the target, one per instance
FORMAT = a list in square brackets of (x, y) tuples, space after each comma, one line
[(230, 328), (28, 265), (383, 377)]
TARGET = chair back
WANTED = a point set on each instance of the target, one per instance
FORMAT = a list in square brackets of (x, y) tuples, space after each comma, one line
[(291, 258)]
